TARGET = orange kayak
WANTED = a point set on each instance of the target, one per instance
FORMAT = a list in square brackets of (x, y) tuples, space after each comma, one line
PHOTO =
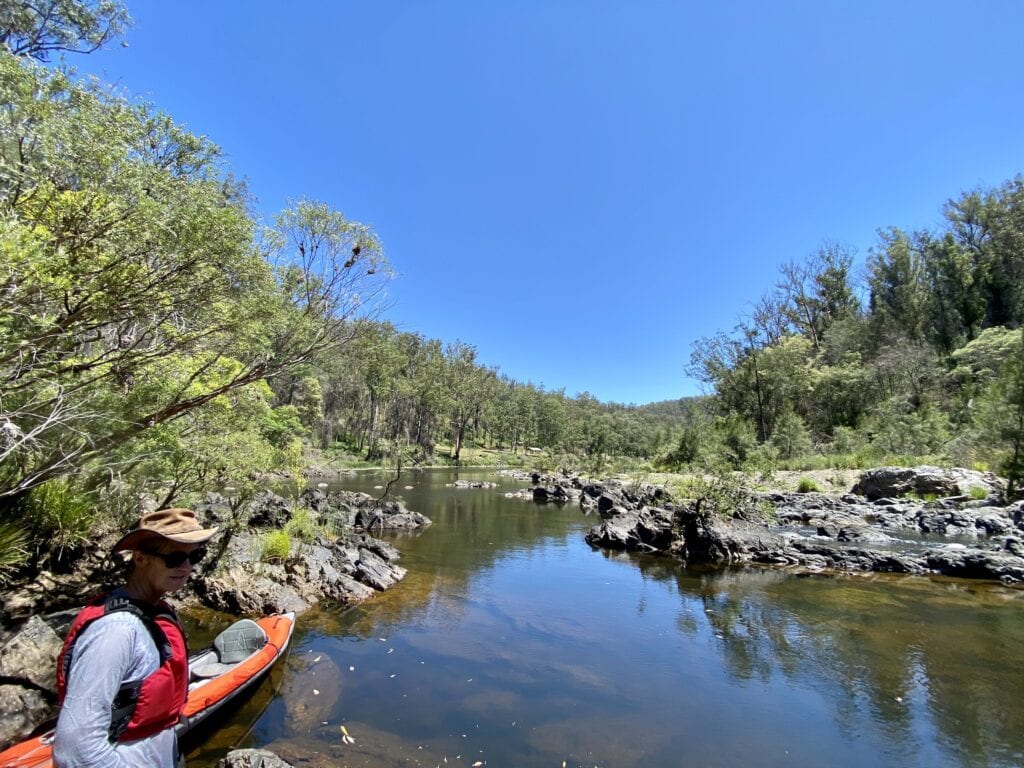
[(238, 660)]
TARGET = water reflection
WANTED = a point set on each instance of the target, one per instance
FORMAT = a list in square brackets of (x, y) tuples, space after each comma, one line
[(930, 661), (512, 643)]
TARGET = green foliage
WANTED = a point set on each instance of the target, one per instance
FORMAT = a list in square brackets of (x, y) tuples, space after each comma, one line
[(689, 449), (791, 437), (1000, 421), (276, 546), (896, 427), (722, 494), (281, 425), (301, 526), (60, 513), (39, 29), (292, 458), (13, 548), (735, 441), (807, 485), (978, 492), (142, 309)]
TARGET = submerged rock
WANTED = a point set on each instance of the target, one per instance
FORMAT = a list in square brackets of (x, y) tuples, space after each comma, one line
[(252, 758), (471, 484)]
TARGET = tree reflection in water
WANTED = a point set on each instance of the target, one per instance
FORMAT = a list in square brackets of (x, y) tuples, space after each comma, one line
[(888, 648)]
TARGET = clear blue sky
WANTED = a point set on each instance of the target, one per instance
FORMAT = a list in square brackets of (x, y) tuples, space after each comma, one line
[(581, 188)]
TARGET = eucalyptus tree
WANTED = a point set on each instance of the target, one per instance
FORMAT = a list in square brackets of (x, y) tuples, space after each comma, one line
[(989, 226), (898, 290), (816, 292), (40, 28), (462, 391), (956, 291), (134, 288), (380, 362)]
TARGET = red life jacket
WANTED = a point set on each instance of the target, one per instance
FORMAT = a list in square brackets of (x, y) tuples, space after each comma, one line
[(151, 705)]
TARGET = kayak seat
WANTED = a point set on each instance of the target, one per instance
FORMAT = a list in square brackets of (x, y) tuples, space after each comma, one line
[(232, 646)]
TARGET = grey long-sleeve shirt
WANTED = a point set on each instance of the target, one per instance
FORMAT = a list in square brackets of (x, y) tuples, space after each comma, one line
[(114, 649)]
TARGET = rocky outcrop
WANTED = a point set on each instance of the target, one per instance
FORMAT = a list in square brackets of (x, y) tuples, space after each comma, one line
[(644, 529), (953, 536), (252, 758), (925, 481), (343, 510), (348, 570)]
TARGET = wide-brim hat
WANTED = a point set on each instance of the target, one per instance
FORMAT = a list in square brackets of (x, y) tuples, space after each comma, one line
[(178, 525)]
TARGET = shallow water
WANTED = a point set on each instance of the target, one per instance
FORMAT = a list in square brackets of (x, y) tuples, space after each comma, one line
[(512, 643)]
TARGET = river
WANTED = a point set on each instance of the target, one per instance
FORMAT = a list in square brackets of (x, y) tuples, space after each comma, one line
[(512, 643)]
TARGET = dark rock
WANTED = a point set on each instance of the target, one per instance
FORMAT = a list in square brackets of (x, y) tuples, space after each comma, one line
[(544, 494), (268, 510), (709, 539), (646, 530), (377, 572), (977, 564)]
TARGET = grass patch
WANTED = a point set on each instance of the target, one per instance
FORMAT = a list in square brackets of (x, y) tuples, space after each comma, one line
[(807, 485), (276, 546), (978, 493), (301, 526), (13, 552)]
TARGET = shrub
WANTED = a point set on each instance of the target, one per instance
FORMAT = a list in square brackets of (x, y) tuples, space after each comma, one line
[(978, 492), (807, 485), (277, 545), (301, 526), (720, 494), (61, 514)]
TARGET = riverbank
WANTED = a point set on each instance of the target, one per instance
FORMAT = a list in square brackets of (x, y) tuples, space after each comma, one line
[(951, 522), (272, 555)]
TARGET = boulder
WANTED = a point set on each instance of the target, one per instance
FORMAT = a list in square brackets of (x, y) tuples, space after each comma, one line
[(645, 530), (709, 539), (550, 494), (471, 484), (32, 653), (28, 666), (21, 710), (268, 510), (883, 482), (360, 510)]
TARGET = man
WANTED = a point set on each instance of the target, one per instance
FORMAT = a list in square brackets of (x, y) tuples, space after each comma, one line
[(122, 676)]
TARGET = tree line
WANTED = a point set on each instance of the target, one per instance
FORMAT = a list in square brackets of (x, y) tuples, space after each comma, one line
[(917, 355)]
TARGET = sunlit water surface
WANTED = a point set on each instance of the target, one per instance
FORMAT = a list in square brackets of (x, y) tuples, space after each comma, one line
[(512, 643)]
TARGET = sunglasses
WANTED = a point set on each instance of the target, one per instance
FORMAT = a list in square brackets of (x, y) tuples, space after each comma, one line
[(177, 559)]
